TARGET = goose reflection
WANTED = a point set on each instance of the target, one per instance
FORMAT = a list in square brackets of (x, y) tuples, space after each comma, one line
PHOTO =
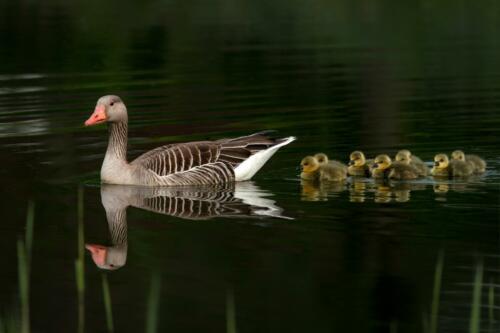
[(243, 199)]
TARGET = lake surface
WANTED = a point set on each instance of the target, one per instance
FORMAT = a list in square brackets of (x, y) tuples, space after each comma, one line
[(272, 255)]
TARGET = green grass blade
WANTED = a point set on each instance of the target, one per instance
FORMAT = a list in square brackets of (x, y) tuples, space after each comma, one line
[(491, 305), (30, 219), (107, 303), (80, 287), (425, 323), (23, 286), (436, 293), (393, 326), (81, 238), (475, 315), (80, 264), (153, 304), (230, 312)]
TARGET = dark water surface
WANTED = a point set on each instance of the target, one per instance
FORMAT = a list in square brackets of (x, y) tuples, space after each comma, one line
[(340, 76)]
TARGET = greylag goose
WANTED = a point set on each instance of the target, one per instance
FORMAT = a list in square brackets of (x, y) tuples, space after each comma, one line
[(406, 157), (358, 165), (477, 163), (191, 163), (444, 167), (385, 168), (320, 168)]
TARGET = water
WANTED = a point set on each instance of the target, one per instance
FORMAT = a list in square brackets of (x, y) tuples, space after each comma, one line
[(359, 256)]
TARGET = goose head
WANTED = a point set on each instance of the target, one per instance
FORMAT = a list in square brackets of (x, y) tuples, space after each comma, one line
[(108, 257), (458, 155), (321, 158), (403, 156), (309, 164), (357, 159), (109, 108), (382, 162), (441, 161)]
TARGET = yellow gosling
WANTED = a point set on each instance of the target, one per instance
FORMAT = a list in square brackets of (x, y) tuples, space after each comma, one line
[(443, 167), (477, 163), (318, 167), (406, 157), (383, 167), (358, 165)]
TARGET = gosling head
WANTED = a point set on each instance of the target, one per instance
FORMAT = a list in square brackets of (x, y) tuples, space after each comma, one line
[(321, 158), (403, 156), (357, 159), (441, 161), (382, 162), (309, 164), (458, 155)]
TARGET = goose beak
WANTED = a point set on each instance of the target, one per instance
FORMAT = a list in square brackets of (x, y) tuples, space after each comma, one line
[(98, 252), (99, 116)]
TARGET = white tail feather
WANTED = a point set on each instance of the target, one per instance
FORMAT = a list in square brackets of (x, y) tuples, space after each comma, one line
[(248, 168)]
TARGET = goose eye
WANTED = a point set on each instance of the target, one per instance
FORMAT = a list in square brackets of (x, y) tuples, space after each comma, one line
[(112, 103)]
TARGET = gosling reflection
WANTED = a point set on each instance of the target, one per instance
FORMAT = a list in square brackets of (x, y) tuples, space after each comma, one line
[(193, 203), (442, 188), (320, 191), (361, 190)]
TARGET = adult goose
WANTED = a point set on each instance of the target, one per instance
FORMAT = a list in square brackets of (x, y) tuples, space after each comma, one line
[(191, 163)]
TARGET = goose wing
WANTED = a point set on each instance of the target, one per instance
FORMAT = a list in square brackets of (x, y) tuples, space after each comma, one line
[(189, 163), (203, 162), (236, 150)]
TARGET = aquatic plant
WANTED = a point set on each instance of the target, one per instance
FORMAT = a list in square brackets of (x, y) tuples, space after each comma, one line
[(153, 304), (80, 265), (107, 303), (475, 314)]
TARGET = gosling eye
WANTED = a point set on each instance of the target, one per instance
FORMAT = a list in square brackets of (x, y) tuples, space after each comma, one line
[(306, 164), (441, 160)]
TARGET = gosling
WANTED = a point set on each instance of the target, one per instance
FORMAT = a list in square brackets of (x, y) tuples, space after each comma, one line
[(385, 168), (443, 167), (318, 167), (406, 157), (358, 165), (477, 163)]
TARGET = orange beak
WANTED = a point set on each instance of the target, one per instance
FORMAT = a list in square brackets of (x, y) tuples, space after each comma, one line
[(99, 116), (98, 252)]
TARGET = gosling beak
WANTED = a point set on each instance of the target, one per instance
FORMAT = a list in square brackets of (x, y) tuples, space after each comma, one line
[(436, 163), (351, 162), (375, 165)]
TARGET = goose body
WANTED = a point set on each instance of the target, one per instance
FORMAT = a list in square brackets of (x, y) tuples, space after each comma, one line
[(191, 163)]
